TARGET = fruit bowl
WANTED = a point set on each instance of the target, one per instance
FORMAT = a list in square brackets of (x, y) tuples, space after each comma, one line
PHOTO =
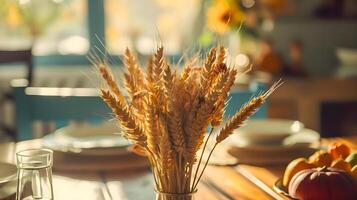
[(325, 170), (280, 189)]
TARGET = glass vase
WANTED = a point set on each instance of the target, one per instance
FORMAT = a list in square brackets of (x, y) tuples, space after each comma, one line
[(175, 196)]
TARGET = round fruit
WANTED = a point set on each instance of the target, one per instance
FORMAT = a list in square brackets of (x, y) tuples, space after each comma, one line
[(354, 172), (339, 150), (294, 167), (341, 164), (323, 183), (321, 158), (352, 159)]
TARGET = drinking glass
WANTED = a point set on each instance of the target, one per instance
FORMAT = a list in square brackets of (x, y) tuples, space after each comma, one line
[(34, 174)]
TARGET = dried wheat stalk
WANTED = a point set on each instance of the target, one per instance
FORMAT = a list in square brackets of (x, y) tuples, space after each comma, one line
[(166, 113)]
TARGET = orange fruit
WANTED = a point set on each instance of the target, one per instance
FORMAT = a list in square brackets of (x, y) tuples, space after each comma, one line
[(339, 150), (294, 167), (321, 158), (354, 171), (341, 164)]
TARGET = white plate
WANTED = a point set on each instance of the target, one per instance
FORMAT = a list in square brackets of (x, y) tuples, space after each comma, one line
[(50, 142), (88, 139), (304, 137), (301, 144), (268, 131)]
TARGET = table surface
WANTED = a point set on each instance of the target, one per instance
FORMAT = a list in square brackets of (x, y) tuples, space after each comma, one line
[(228, 182)]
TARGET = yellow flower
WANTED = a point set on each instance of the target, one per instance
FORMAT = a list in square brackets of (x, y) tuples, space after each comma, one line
[(223, 15), (14, 17)]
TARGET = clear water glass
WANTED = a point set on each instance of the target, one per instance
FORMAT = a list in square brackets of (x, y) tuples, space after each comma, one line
[(34, 174)]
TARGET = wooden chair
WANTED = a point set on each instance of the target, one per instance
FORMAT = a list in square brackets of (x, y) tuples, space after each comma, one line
[(24, 56), (18, 56), (59, 105)]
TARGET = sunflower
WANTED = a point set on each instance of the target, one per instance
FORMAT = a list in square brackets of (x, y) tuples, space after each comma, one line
[(13, 18), (223, 15)]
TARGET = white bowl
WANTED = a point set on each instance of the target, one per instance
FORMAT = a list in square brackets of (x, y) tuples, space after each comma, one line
[(268, 131), (347, 57)]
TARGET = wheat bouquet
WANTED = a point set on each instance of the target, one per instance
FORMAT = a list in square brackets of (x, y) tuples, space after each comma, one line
[(166, 113)]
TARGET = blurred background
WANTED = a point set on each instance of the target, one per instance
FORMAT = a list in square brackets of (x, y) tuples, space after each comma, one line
[(45, 75)]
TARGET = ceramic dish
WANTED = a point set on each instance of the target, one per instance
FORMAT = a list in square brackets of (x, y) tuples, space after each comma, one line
[(50, 142), (90, 136), (280, 156), (268, 131), (87, 139), (305, 137), (302, 144)]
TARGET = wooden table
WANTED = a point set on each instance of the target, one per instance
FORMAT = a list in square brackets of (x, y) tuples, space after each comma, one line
[(240, 182)]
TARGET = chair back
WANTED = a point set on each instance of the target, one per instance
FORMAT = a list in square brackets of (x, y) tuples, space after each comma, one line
[(24, 56), (239, 97), (16, 56), (58, 105), (63, 105)]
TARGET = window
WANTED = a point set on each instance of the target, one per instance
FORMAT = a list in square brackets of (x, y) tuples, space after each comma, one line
[(64, 30), (53, 26), (138, 23)]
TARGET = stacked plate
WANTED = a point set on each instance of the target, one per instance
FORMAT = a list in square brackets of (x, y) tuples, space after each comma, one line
[(7, 180), (89, 147), (272, 141)]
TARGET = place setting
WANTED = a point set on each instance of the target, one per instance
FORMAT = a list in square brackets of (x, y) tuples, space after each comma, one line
[(92, 147), (272, 142)]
